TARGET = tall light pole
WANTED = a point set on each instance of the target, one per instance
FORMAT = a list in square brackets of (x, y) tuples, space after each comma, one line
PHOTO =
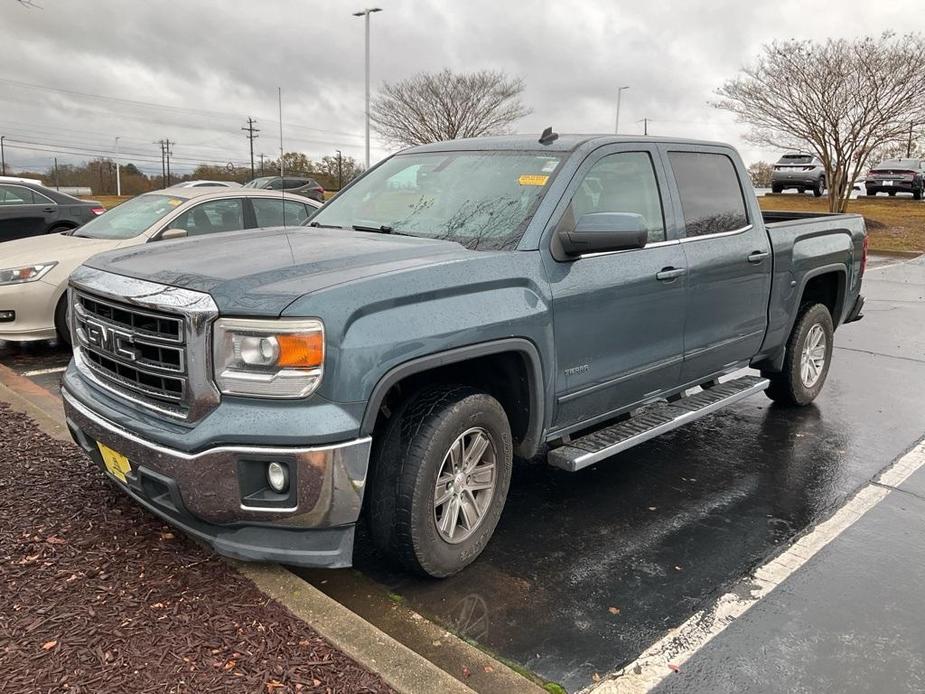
[(365, 13), (118, 179), (616, 128), (2, 157)]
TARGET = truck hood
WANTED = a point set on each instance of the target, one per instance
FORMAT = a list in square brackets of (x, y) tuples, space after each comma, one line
[(261, 272)]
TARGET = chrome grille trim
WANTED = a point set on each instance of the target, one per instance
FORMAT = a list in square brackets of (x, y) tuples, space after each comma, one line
[(144, 342)]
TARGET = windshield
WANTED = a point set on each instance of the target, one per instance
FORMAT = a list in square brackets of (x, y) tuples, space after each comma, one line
[(130, 218), (482, 200), (910, 164)]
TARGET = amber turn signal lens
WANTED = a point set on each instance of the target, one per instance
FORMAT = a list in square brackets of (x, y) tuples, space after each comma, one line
[(301, 351)]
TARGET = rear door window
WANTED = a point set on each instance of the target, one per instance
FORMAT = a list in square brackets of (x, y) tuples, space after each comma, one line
[(277, 213), (15, 195), (711, 196)]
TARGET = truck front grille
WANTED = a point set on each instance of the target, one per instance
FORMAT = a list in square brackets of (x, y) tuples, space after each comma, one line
[(140, 353)]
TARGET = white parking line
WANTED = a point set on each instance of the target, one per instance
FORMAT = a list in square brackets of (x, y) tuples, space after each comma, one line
[(670, 653), (43, 372)]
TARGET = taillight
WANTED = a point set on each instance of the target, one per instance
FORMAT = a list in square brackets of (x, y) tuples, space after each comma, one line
[(97, 210), (864, 248)]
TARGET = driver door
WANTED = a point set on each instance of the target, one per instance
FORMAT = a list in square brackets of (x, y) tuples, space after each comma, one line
[(618, 317)]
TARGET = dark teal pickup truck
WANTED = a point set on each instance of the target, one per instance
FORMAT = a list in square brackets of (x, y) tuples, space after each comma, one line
[(460, 304)]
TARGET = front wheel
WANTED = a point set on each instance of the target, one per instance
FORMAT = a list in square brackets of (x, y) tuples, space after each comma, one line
[(61, 327), (807, 360), (441, 475)]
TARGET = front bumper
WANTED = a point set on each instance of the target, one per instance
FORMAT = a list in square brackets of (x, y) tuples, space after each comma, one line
[(205, 494), (34, 304)]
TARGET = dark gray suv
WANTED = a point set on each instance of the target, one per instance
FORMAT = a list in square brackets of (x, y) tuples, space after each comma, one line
[(304, 186), (801, 171)]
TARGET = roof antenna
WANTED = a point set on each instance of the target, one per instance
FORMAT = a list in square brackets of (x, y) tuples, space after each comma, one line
[(548, 137)]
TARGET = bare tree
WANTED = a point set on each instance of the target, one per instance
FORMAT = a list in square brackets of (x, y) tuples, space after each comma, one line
[(760, 172), (844, 100), (431, 107)]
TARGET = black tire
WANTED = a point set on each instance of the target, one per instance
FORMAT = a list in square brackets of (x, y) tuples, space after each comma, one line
[(788, 386), (891, 193), (871, 193), (61, 327), (776, 188), (916, 194), (819, 188), (408, 457), (801, 190)]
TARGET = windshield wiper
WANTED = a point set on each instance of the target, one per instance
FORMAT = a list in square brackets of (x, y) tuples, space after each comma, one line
[(384, 229), (319, 225)]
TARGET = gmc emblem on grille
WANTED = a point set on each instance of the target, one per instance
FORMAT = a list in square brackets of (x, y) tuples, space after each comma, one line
[(111, 341)]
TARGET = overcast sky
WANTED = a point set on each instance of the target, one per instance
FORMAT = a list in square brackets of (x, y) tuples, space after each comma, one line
[(199, 68)]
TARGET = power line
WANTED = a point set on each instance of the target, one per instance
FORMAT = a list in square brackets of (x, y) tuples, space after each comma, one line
[(164, 107)]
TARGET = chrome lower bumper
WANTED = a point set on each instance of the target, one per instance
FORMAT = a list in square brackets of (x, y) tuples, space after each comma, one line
[(211, 494)]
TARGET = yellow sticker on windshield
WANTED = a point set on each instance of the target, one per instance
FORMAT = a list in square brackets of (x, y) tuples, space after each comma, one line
[(174, 202), (532, 180)]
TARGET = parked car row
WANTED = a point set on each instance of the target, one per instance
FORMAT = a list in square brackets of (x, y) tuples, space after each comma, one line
[(34, 270), (805, 172)]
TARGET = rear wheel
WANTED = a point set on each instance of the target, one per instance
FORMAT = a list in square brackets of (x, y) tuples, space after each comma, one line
[(61, 327), (891, 193), (440, 478), (775, 188), (819, 187), (917, 194), (807, 360), (871, 192)]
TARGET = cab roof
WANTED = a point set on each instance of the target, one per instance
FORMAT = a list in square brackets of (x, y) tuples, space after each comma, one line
[(564, 143)]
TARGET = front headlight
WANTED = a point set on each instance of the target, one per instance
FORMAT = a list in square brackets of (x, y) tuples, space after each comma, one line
[(26, 273), (268, 358)]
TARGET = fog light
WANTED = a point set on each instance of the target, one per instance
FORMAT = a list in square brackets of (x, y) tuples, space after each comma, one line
[(278, 477)]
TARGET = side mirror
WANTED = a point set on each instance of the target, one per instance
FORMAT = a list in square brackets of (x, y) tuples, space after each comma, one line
[(173, 234), (601, 232)]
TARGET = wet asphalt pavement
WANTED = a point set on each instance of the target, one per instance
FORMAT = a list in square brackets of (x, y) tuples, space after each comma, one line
[(588, 569)]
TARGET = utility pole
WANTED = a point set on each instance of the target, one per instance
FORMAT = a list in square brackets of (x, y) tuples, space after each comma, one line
[(252, 135), (616, 128), (167, 144), (340, 170), (365, 13), (163, 169), (2, 157), (57, 180), (645, 125), (262, 155), (118, 178)]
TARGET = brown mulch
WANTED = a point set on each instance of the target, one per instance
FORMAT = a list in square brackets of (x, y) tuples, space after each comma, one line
[(96, 595)]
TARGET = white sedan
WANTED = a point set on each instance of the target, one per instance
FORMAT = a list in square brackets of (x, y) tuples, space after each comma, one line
[(34, 271)]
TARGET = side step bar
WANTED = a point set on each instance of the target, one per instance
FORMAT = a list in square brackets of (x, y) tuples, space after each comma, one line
[(603, 443)]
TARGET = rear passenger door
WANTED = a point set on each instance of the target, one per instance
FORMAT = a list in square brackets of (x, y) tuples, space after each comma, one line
[(214, 216), (728, 260)]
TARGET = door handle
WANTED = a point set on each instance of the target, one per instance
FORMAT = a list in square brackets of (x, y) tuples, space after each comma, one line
[(757, 256), (670, 274), (49, 209)]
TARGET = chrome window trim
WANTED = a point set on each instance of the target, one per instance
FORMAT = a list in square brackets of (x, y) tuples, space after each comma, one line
[(197, 310), (717, 235), (657, 244), (33, 193)]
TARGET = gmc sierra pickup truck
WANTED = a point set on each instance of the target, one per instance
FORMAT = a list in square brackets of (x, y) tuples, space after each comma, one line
[(462, 303)]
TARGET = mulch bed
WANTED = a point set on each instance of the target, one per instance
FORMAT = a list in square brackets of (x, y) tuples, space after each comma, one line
[(96, 595)]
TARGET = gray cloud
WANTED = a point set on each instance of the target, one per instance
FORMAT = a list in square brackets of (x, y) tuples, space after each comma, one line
[(211, 64)]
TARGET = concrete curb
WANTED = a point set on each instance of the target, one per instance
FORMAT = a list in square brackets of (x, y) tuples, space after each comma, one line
[(401, 667)]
